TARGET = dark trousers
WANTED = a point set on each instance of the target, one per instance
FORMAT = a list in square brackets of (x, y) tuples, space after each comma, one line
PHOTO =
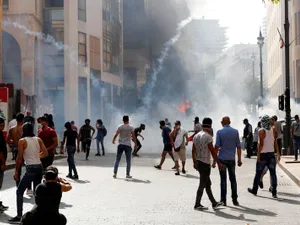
[(279, 143), (228, 165), (248, 143), (34, 173), (71, 162), (296, 141), (254, 147), (269, 160), (127, 150), (204, 183), (47, 161), (86, 146), (33, 217), (138, 146), (100, 141)]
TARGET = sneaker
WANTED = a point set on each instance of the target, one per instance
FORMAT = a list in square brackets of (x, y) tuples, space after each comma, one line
[(250, 191), (29, 192), (183, 171), (69, 176), (103, 154), (115, 176), (261, 185), (217, 205), (128, 177), (177, 174), (235, 202), (86, 159), (200, 207), (224, 202), (174, 168), (15, 220), (275, 196), (3, 208), (158, 167), (76, 177), (98, 154)]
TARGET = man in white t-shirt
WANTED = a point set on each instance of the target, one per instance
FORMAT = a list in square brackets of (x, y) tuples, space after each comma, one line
[(177, 137), (202, 151)]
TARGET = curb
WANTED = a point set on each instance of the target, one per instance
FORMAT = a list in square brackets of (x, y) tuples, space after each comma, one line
[(290, 175), (13, 165)]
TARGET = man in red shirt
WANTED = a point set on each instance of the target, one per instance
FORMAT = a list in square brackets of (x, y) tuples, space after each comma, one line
[(49, 137)]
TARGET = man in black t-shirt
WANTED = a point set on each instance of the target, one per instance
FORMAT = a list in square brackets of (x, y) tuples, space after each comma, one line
[(86, 137), (3, 156), (47, 199), (71, 136), (137, 132)]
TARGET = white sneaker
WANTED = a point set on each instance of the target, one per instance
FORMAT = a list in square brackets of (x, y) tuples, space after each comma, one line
[(29, 193)]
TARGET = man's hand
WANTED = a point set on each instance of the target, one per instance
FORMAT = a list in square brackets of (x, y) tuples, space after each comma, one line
[(114, 142), (213, 164), (16, 177), (3, 167), (195, 166), (240, 163), (187, 143), (220, 166), (278, 158), (258, 159)]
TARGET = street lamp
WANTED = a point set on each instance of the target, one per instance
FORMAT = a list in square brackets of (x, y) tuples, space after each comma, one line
[(260, 42)]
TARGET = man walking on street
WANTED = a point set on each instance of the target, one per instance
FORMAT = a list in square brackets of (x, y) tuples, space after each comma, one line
[(278, 129), (248, 137), (266, 155), (202, 151), (227, 143), (125, 133), (168, 148), (197, 128), (86, 137), (101, 133), (137, 133), (295, 131), (3, 157), (49, 138)]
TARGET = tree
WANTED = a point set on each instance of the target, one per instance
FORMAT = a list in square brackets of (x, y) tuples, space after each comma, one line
[(274, 1)]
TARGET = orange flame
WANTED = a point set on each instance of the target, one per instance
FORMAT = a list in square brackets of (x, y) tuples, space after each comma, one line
[(184, 106)]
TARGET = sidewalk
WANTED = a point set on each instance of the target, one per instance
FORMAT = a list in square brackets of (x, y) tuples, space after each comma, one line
[(291, 168), (10, 164)]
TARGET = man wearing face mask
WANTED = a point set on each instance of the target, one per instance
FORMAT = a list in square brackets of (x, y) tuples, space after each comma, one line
[(168, 148), (266, 155), (177, 137)]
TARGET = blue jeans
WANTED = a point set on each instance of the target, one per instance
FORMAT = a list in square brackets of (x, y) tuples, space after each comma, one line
[(121, 149), (267, 159), (71, 162), (98, 141), (230, 166), (34, 173), (296, 146)]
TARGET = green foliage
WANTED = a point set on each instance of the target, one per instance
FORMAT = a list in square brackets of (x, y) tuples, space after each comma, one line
[(274, 1)]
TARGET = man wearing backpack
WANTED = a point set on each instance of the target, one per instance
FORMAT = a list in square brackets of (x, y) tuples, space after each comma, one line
[(86, 137), (101, 133)]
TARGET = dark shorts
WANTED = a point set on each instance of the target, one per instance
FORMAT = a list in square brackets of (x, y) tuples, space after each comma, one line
[(168, 147)]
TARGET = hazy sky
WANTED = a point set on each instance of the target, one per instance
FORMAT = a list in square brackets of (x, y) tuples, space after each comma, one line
[(242, 17)]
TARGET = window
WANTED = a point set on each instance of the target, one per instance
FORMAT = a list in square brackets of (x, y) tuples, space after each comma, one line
[(95, 62), (5, 4), (82, 10), (82, 49), (54, 3), (297, 28)]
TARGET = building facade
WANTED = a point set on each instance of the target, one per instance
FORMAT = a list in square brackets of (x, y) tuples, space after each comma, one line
[(71, 54), (296, 48)]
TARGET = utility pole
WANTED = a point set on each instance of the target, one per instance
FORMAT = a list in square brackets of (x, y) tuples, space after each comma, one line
[(1, 13), (287, 77)]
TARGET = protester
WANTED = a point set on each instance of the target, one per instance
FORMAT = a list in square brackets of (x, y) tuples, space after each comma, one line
[(13, 122), (71, 136), (295, 131), (125, 133), (86, 137), (47, 199), (168, 123), (3, 157), (228, 143), (255, 138), (248, 137), (168, 148), (202, 151), (29, 119), (101, 133), (177, 137), (74, 127), (31, 149), (278, 129), (265, 155), (49, 137), (137, 133), (197, 128)]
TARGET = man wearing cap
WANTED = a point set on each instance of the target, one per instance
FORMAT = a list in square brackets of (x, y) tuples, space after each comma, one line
[(202, 151), (228, 143), (248, 137), (266, 155), (47, 198), (177, 137)]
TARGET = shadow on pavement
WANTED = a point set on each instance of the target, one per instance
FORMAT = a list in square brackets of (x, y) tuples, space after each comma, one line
[(135, 180), (191, 176), (222, 214), (286, 194), (81, 181), (64, 205), (284, 200), (4, 218), (247, 210)]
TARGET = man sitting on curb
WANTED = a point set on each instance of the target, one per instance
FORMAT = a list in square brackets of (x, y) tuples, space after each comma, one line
[(47, 198)]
